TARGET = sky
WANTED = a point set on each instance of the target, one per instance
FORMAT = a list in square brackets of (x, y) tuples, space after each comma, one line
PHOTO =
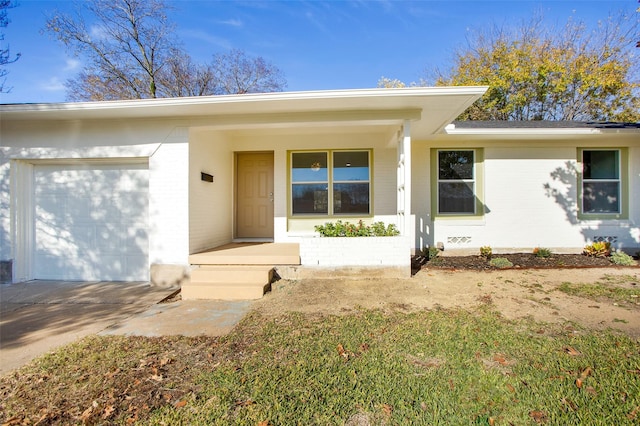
[(319, 45)]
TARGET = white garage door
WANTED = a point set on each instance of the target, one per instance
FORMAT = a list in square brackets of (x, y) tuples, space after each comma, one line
[(91, 222)]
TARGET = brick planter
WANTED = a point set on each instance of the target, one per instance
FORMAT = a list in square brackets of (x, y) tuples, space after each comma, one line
[(357, 253)]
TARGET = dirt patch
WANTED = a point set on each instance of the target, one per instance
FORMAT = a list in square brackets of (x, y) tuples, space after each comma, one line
[(515, 293)]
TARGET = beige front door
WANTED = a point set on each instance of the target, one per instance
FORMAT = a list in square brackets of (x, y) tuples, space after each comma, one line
[(254, 195)]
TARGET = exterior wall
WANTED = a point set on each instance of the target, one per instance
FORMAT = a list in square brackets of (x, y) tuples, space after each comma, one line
[(392, 253), (210, 203), (169, 202), (530, 197), (163, 144)]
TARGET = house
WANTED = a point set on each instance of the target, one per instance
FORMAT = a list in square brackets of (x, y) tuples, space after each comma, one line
[(125, 190)]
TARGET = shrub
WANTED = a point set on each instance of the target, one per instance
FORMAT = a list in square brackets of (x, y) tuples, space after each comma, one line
[(346, 229), (597, 249), (500, 262), (431, 252), (542, 252), (486, 252), (621, 258)]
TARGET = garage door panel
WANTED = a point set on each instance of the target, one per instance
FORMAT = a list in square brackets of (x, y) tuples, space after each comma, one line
[(91, 222), (136, 241)]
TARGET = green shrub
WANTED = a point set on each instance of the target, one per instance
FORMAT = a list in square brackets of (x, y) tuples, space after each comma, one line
[(500, 262), (542, 252), (597, 249), (346, 229), (431, 252), (486, 252), (621, 258)]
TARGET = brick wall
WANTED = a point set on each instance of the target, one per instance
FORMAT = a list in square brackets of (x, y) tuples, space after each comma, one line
[(355, 251)]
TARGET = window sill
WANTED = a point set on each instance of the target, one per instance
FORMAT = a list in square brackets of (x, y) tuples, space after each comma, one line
[(459, 220)]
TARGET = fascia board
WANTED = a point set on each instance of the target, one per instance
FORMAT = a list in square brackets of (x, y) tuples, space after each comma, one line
[(399, 98), (536, 132)]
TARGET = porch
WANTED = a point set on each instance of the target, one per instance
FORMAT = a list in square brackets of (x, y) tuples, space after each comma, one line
[(237, 271)]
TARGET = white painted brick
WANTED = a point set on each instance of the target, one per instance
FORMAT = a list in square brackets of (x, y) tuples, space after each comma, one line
[(355, 251)]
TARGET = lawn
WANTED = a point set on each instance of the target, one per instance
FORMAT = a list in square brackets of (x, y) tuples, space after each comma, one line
[(435, 366)]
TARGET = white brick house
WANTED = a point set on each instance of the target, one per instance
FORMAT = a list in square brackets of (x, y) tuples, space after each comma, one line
[(110, 190)]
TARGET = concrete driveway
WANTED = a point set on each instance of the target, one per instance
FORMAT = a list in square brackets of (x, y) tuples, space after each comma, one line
[(38, 316)]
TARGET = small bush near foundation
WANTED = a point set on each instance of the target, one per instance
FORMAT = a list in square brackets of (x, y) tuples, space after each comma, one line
[(542, 252), (621, 258), (597, 249), (486, 252), (500, 262), (346, 229), (431, 252)]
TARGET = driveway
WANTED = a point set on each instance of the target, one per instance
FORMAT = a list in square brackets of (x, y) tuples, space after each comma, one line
[(38, 316)]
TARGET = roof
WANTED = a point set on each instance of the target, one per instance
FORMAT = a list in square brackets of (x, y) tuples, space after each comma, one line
[(544, 124), (539, 129), (429, 108)]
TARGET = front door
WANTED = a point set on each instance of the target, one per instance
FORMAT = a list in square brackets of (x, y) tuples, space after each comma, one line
[(254, 195)]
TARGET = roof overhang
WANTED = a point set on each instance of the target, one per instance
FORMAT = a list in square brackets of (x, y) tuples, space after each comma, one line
[(522, 132), (429, 108)]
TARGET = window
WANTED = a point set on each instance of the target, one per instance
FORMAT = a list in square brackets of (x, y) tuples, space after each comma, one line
[(456, 176), (330, 182), (601, 182)]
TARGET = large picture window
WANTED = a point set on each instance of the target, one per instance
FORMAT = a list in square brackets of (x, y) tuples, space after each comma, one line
[(330, 183), (456, 182), (601, 182)]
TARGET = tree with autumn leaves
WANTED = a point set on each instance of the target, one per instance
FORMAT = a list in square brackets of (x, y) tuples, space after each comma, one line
[(539, 73)]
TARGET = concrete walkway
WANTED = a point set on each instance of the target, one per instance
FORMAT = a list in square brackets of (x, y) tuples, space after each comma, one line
[(38, 316)]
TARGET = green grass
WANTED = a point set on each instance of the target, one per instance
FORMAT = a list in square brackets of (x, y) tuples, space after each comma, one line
[(435, 367), (604, 290), (427, 367)]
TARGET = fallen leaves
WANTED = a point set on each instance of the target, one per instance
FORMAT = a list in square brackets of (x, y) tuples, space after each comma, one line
[(571, 351), (538, 416), (346, 354)]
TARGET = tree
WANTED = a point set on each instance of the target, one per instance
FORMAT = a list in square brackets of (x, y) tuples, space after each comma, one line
[(389, 83), (235, 72), (130, 53), (535, 73), (125, 50), (182, 77), (5, 53)]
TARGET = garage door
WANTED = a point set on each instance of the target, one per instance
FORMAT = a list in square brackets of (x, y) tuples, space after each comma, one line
[(91, 222)]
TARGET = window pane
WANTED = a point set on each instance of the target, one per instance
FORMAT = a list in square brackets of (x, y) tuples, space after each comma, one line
[(310, 198), (351, 198), (351, 166), (600, 165), (600, 197), (456, 197), (309, 167), (455, 165)]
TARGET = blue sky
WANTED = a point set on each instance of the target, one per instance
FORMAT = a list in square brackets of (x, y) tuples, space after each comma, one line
[(318, 45)]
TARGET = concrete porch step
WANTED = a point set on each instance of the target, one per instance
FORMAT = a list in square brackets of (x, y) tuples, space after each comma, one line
[(229, 274), (237, 291), (227, 282), (249, 254)]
